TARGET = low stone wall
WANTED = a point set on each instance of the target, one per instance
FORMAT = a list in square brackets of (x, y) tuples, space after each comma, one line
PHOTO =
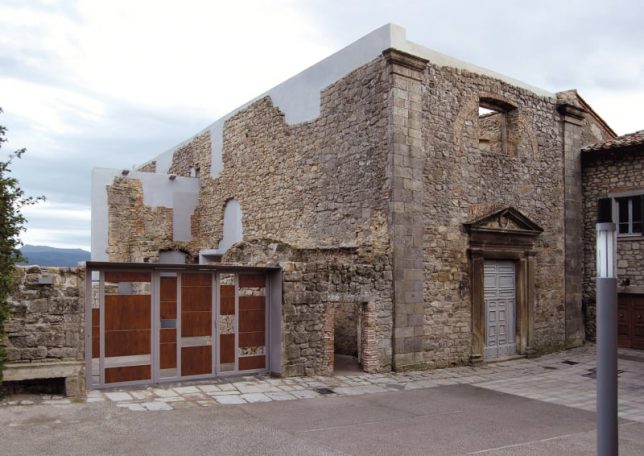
[(44, 334)]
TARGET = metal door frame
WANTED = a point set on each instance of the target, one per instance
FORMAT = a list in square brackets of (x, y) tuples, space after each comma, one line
[(272, 336)]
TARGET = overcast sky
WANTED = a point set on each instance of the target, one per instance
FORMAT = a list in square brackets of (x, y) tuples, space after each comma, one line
[(113, 83)]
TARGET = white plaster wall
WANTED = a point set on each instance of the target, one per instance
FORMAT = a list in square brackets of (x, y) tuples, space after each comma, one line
[(233, 229)]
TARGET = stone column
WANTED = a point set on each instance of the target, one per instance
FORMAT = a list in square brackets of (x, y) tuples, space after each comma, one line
[(478, 308), (530, 277), (572, 117), (407, 161)]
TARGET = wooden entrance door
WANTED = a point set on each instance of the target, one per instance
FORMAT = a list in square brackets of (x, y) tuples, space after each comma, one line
[(500, 309)]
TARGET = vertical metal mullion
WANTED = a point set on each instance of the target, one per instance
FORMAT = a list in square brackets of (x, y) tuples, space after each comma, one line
[(236, 322), (101, 328), (267, 293), (214, 341), (88, 327), (155, 350), (179, 324)]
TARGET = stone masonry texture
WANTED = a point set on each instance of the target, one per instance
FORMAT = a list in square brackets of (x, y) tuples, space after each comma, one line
[(366, 204), (46, 319)]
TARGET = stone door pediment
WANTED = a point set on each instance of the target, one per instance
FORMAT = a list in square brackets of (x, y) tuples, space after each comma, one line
[(507, 220)]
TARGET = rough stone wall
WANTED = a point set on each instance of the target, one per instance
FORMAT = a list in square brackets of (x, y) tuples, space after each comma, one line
[(604, 174), (195, 155), (492, 132), (44, 331), (137, 232), (46, 320), (462, 182), (315, 282), (321, 183), (391, 168)]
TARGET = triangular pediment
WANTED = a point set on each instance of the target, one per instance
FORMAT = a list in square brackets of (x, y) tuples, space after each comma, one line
[(508, 220)]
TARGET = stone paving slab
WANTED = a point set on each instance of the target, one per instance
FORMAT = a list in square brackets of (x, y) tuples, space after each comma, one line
[(565, 378)]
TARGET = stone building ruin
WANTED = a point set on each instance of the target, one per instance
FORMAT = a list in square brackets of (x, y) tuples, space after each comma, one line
[(420, 211)]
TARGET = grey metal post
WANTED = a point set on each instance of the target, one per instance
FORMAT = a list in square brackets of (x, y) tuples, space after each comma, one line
[(607, 434), (606, 299)]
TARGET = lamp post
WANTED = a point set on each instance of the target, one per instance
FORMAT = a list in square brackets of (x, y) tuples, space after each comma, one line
[(607, 434)]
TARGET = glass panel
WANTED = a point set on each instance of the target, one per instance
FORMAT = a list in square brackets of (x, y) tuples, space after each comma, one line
[(622, 212), (637, 211)]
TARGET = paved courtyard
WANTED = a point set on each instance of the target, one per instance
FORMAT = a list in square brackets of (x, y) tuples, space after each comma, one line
[(566, 378), (536, 406)]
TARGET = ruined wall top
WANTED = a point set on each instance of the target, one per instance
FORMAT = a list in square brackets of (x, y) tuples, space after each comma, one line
[(299, 97)]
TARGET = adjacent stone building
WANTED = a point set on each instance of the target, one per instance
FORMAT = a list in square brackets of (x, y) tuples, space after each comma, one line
[(615, 169), (425, 212)]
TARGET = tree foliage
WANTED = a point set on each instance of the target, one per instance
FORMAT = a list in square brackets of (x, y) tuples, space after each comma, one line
[(12, 223)]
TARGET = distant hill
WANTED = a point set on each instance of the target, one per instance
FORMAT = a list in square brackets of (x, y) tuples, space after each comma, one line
[(43, 255)]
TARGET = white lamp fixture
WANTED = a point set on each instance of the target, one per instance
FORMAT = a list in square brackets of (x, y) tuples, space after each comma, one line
[(606, 247)]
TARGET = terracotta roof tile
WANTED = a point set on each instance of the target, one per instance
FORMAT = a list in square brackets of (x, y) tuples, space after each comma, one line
[(630, 139)]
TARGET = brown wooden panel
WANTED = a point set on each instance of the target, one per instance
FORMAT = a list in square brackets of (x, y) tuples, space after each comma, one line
[(638, 322), (196, 360), (227, 291), (127, 374), (252, 362), (168, 336), (227, 306), (252, 320), (168, 289), (127, 312), (96, 346), (168, 310), (227, 348), (168, 356), (196, 279), (196, 324), (251, 302), (196, 298), (123, 276), (252, 280), (125, 343), (624, 320), (252, 339)]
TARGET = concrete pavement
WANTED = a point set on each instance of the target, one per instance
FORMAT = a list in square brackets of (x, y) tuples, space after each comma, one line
[(540, 406)]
